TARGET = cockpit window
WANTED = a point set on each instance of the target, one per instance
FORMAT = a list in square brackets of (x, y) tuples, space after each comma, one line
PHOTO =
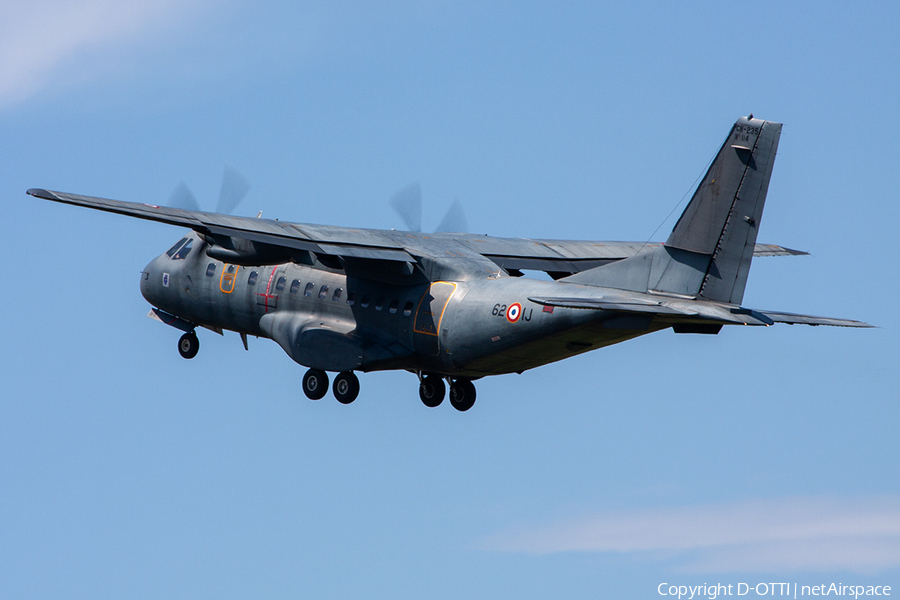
[(175, 248), (185, 250)]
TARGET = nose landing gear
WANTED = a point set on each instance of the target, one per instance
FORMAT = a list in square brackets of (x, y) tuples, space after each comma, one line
[(188, 345)]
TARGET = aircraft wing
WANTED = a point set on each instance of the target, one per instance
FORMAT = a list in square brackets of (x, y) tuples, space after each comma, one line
[(694, 311), (557, 257), (339, 241), (572, 256)]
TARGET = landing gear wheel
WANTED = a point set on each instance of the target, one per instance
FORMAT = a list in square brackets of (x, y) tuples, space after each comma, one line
[(188, 345), (462, 395), (345, 387), (432, 391), (315, 384)]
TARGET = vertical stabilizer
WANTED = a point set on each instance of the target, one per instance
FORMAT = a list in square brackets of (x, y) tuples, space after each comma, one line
[(709, 251)]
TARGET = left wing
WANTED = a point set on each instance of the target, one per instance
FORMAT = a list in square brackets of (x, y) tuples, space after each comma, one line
[(320, 240)]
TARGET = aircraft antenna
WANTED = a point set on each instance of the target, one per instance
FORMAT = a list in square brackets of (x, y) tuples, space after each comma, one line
[(678, 204)]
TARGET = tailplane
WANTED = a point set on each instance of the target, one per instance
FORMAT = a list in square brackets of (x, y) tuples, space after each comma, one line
[(709, 251)]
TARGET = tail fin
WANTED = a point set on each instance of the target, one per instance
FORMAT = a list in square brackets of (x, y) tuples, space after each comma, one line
[(708, 253)]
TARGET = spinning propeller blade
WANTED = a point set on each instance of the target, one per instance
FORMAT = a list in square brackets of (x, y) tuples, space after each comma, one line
[(234, 188), (454, 220), (408, 204), (182, 197)]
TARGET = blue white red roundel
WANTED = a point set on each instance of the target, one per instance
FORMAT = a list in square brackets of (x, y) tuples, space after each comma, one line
[(514, 312)]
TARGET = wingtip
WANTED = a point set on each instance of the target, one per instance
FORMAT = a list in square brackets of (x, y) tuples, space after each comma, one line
[(39, 193)]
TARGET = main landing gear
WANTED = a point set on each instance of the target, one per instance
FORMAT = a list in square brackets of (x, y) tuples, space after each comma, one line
[(345, 388), (432, 390)]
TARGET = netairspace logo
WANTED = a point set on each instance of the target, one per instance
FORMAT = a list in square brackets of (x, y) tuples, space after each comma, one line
[(770, 589)]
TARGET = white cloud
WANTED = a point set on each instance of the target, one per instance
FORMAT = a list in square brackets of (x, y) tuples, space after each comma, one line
[(38, 39), (808, 533)]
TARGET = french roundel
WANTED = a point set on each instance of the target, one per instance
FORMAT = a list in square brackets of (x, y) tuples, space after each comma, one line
[(514, 312)]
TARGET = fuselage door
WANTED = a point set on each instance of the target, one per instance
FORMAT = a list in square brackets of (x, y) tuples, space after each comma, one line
[(429, 314)]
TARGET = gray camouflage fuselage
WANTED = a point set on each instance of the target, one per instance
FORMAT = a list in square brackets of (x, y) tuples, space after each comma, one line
[(457, 328), (456, 307)]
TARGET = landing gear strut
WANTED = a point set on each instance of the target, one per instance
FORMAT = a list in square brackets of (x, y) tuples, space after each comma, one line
[(462, 394), (188, 345), (315, 384), (346, 387), (431, 391)]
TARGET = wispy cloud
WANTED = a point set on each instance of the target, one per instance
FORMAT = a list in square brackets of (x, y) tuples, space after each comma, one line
[(791, 534), (39, 39)]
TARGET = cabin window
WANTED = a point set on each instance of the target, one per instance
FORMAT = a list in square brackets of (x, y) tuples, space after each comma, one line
[(379, 304), (337, 294), (295, 286), (231, 268), (407, 309), (184, 251), (323, 292), (365, 302), (211, 270), (279, 285), (393, 308), (351, 298), (309, 289), (171, 251), (251, 280)]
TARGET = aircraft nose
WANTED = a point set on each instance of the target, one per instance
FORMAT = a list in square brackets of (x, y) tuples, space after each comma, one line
[(152, 280)]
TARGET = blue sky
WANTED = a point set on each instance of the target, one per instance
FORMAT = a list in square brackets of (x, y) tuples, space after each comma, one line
[(760, 454)]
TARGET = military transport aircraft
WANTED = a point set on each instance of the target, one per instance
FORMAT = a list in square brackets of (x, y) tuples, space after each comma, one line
[(455, 307)]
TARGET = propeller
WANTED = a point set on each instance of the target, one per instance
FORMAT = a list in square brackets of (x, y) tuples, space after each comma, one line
[(182, 197), (454, 220), (234, 189), (407, 202)]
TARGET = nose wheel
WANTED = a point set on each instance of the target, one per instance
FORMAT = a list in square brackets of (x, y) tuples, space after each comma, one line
[(188, 345)]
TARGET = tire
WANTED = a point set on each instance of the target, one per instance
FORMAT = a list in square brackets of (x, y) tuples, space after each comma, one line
[(462, 395), (315, 384), (345, 387), (432, 390), (188, 345)]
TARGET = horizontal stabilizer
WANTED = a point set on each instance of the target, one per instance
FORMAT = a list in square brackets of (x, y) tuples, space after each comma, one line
[(793, 319), (693, 311), (776, 250), (612, 304)]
